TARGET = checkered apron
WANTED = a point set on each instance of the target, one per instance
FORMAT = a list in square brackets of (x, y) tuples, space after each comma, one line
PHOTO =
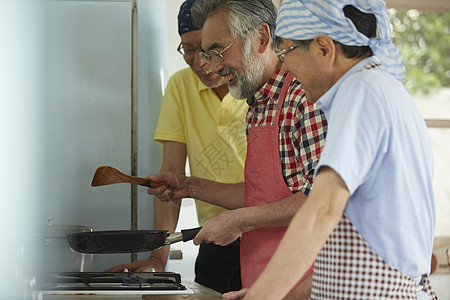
[(348, 268), (264, 183)]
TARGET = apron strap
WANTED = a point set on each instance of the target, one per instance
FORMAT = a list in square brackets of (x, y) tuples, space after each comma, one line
[(425, 282), (280, 102)]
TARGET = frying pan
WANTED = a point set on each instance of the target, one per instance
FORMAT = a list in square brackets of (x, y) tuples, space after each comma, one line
[(127, 241)]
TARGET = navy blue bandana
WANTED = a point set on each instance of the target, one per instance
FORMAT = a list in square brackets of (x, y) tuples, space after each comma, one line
[(185, 18)]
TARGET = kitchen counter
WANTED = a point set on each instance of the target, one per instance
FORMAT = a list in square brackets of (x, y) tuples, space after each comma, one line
[(200, 293)]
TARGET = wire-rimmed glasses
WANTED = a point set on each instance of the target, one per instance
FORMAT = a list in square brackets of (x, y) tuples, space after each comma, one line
[(187, 51), (282, 53), (208, 56)]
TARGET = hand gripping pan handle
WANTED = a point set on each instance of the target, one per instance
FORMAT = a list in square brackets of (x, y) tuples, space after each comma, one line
[(185, 235)]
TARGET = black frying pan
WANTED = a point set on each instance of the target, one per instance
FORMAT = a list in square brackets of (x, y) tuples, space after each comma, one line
[(127, 241)]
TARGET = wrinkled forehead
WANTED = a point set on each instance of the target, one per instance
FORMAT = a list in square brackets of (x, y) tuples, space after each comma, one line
[(215, 32)]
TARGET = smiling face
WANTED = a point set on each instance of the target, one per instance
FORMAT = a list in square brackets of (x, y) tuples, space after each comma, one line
[(193, 39), (319, 67), (304, 65), (240, 66)]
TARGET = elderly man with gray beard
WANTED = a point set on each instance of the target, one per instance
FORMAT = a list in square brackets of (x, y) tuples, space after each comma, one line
[(285, 135)]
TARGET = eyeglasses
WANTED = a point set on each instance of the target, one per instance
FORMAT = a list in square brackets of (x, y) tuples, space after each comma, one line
[(187, 51), (213, 54), (282, 53)]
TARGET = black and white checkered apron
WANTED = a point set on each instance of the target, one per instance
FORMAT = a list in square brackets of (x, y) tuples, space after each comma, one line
[(348, 268)]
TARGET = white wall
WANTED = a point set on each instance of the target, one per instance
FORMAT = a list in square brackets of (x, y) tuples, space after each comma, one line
[(21, 143), (65, 93), (176, 61), (88, 59)]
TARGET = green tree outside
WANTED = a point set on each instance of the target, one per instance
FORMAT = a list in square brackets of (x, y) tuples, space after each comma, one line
[(424, 41)]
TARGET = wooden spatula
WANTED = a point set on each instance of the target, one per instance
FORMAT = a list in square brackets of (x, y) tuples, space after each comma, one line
[(105, 175)]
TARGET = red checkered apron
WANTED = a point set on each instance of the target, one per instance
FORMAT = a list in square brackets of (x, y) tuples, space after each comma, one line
[(348, 268), (264, 183)]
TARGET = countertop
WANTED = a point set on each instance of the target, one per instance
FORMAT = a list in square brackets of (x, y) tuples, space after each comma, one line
[(200, 293)]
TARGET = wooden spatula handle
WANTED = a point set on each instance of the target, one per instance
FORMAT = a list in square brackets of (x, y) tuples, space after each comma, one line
[(152, 184), (143, 181)]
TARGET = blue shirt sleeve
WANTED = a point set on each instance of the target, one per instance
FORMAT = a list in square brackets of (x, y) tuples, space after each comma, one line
[(357, 133)]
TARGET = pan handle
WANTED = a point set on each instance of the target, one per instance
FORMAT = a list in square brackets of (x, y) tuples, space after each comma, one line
[(189, 234)]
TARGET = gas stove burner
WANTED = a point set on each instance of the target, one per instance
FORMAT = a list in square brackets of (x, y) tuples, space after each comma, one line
[(134, 280), (97, 281)]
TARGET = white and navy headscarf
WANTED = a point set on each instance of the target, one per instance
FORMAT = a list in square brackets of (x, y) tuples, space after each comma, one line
[(305, 19)]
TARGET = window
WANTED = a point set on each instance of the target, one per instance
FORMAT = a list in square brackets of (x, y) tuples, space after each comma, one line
[(423, 37)]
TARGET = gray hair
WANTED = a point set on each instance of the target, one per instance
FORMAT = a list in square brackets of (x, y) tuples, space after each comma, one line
[(244, 16)]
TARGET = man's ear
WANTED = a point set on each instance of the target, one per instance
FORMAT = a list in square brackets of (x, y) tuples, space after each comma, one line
[(326, 48), (263, 37)]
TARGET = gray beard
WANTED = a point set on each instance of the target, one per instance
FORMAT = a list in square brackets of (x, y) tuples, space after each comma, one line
[(247, 83)]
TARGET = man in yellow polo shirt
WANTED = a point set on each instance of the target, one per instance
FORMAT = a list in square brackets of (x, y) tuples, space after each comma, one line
[(201, 121)]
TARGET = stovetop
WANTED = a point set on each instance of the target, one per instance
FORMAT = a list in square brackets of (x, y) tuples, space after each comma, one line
[(110, 282)]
